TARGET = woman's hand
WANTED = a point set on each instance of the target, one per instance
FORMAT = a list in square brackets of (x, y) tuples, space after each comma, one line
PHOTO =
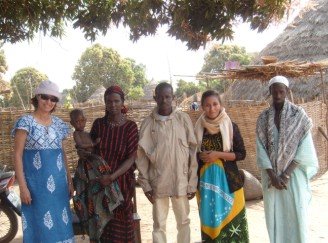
[(106, 180), (25, 195), (150, 196), (97, 141), (70, 189), (209, 156)]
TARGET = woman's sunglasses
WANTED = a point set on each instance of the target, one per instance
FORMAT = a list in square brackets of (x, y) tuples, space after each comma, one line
[(49, 97)]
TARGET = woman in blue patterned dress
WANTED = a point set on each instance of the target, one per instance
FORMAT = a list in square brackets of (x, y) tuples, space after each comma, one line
[(41, 170)]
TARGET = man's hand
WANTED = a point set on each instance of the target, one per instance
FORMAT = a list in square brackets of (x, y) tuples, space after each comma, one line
[(150, 196), (190, 195), (285, 178), (277, 182)]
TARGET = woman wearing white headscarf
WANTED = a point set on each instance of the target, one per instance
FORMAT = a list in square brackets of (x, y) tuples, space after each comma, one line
[(287, 158), (41, 170)]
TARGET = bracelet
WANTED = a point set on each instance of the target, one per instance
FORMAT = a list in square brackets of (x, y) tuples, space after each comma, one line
[(286, 176)]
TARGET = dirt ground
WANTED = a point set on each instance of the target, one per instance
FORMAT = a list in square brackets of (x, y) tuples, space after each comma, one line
[(255, 214)]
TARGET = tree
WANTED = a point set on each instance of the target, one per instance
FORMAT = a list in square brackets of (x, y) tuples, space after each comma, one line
[(101, 66), (191, 21), (135, 92), (23, 85), (215, 61), (3, 64), (139, 71), (218, 55), (4, 86), (187, 88)]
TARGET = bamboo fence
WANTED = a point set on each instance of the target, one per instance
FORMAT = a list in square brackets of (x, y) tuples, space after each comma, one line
[(243, 114)]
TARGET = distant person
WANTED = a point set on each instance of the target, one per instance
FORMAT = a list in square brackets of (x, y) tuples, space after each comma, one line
[(118, 147), (220, 189), (287, 158), (167, 164), (194, 106), (93, 203), (41, 169)]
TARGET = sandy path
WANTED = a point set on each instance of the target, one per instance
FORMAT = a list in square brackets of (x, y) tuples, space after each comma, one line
[(255, 214)]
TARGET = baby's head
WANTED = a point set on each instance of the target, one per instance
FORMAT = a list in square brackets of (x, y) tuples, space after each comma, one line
[(78, 119)]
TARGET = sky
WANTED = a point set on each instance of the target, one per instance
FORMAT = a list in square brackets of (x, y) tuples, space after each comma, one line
[(164, 56)]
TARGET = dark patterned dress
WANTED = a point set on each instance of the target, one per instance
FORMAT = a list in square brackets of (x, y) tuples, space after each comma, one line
[(117, 144), (220, 193)]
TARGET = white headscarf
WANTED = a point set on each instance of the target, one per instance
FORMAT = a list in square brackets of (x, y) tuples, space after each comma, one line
[(280, 80)]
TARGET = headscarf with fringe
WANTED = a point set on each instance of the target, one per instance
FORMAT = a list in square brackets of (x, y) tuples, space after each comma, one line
[(221, 124)]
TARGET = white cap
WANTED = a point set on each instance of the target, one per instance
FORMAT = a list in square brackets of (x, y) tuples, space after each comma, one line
[(49, 88), (280, 80)]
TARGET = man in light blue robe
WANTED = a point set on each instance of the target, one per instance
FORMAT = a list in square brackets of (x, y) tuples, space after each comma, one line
[(287, 158)]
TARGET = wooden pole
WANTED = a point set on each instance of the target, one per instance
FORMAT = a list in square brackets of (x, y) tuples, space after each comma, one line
[(136, 218), (324, 98)]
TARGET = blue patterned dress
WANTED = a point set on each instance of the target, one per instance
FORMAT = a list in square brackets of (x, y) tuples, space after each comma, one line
[(48, 218)]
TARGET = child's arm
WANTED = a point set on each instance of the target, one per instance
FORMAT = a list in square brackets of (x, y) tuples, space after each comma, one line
[(80, 143)]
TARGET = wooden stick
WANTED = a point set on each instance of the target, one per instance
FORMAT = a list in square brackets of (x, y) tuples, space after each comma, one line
[(322, 131)]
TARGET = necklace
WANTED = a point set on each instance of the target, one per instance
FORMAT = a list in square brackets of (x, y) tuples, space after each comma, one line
[(116, 124)]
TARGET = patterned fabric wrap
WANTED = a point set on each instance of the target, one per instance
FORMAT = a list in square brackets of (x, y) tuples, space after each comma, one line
[(222, 213), (48, 218), (294, 125), (93, 203)]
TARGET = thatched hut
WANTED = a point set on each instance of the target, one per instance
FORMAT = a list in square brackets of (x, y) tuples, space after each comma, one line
[(97, 98), (302, 56), (305, 39)]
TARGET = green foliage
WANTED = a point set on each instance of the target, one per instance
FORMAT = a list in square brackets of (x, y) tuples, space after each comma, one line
[(191, 21), (67, 99), (102, 66), (23, 85), (187, 88), (139, 71), (4, 96), (3, 64), (215, 84), (218, 55), (135, 92), (215, 60)]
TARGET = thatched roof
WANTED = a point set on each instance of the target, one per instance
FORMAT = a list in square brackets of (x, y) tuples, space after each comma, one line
[(289, 69), (186, 103), (305, 39), (97, 97)]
